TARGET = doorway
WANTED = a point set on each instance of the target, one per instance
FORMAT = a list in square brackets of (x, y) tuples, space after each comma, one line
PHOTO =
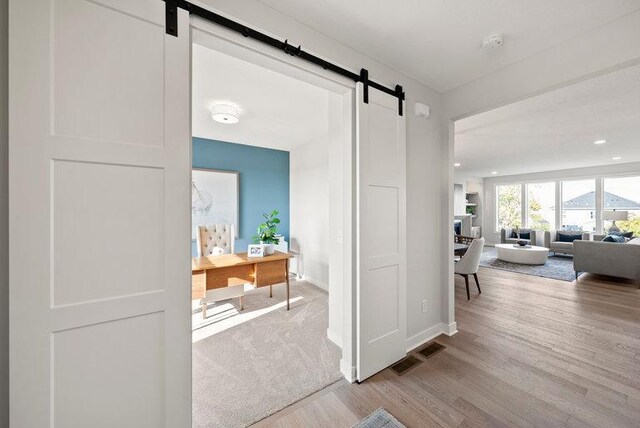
[(289, 152)]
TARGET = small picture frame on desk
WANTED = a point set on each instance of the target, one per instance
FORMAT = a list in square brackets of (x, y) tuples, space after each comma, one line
[(255, 251)]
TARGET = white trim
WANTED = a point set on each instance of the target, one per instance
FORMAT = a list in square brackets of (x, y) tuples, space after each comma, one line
[(349, 372), (334, 337), (324, 286), (451, 329), (426, 335)]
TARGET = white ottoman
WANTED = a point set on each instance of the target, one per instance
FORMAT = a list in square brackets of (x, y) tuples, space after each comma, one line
[(532, 255)]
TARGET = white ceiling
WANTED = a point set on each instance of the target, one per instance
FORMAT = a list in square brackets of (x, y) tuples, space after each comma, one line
[(555, 130), (277, 111), (438, 41)]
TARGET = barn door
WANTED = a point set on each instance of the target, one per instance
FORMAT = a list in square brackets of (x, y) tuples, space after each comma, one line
[(99, 215), (381, 232)]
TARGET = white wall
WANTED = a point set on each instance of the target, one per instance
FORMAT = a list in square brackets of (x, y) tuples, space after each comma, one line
[(309, 210), (489, 212), (4, 219), (423, 158)]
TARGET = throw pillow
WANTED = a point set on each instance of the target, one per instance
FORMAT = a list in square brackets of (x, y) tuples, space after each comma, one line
[(623, 234), (613, 238), (524, 235), (566, 237), (514, 235)]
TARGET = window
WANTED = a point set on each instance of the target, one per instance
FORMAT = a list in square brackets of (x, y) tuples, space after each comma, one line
[(579, 205), (622, 195), (541, 201), (509, 205)]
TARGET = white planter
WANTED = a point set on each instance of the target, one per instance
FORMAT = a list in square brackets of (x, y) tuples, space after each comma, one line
[(268, 249)]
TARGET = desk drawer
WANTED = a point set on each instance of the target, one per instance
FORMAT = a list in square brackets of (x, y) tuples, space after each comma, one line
[(232, 275), (198, 284), (270, 273)]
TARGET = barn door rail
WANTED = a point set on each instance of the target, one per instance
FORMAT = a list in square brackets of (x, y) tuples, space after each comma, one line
[(171, 18)]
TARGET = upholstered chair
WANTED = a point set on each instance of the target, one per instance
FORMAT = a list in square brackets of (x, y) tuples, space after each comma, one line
[(469, 264), (214, 240)]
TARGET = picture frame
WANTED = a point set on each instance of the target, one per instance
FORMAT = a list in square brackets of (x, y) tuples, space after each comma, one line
[(215, 198), (255, 250)]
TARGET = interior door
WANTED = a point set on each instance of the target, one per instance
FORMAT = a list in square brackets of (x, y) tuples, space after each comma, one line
[(99, 215), (381, 232)]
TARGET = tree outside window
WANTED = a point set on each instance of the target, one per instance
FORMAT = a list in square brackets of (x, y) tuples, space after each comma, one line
[(541, 205), (509, 204)]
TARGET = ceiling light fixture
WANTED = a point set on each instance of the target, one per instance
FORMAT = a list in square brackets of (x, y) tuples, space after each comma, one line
[(616, 158), (599, 142), (225, 113), (494, 172), (457, 164)]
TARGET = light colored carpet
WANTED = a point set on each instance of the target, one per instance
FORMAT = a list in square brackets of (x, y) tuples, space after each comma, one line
[(557, 266), (243, 373), (380, 418)]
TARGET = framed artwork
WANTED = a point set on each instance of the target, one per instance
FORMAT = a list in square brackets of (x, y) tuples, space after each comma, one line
[(214, 198), (255, 251)]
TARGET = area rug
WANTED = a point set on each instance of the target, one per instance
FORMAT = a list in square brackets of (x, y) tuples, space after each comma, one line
[(245, 372), (380, 418), (557, 267)]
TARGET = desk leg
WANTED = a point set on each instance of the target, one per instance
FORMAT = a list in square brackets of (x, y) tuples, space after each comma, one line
[(203, 302), (270, 291), (286, 268)]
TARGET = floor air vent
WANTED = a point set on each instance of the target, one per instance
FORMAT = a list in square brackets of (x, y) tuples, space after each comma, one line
[(431, 350), (405, 364)]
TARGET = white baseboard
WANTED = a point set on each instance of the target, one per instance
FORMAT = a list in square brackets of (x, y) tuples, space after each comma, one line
[(348, 371), (334, 337), (451, 329), (316, 282), (425, 336)]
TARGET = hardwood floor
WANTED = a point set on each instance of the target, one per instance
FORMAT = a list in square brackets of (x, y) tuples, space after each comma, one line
[(529, 352)]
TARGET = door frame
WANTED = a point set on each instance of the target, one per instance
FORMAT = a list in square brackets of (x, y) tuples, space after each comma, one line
[(227, 42)]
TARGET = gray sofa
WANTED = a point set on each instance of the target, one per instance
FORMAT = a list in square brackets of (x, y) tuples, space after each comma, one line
[(506, 233), (554, 244), (608, 258)]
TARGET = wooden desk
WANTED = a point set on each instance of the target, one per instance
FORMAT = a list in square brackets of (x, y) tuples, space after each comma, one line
[(209, 273)]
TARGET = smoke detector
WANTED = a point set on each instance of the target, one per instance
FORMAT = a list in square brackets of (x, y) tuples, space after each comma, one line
[(492, 41)]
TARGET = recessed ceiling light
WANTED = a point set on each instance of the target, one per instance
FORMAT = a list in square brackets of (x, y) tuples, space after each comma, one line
[(616, 157), (598, 142), (494, 172), (456, 164), (225, 113)]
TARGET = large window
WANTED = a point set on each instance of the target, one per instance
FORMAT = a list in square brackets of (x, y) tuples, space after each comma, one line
[(509, 205), (541, 201), (622, 197), (579, 205)]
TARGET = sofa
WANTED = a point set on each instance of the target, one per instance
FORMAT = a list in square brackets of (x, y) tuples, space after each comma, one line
[(559, 241), (620, 260), (509, 235)]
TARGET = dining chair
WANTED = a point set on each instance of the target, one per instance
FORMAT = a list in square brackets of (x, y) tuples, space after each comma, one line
[(469, 263), (214, 240)]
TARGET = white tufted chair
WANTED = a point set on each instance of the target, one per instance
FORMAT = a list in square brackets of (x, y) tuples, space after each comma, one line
[(213, 240)]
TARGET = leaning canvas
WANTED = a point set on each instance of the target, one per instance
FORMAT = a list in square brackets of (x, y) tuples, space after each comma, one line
[(214, 198)]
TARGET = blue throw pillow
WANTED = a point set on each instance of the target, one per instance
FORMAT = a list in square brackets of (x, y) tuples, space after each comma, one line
[(613, 238), (525, 235), (565, 237)]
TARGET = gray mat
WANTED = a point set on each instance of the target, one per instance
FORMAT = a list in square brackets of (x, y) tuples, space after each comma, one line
[(380, 418), (557, 267)]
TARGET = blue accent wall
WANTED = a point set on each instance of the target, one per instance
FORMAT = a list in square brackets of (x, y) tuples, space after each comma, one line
[(264, 182)]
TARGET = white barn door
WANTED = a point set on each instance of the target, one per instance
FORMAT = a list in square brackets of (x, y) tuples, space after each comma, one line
[(381, 232), (99, 215)]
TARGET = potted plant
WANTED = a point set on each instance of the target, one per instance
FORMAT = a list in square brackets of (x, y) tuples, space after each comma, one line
[(267, 231)]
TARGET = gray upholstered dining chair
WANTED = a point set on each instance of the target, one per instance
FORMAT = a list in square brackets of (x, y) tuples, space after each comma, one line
[(469, 263), (213, 240)]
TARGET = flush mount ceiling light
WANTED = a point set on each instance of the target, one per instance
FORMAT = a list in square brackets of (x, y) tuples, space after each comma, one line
[(225, 113), (494, 172), (599, 142), (616, 158), (456, 164)]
